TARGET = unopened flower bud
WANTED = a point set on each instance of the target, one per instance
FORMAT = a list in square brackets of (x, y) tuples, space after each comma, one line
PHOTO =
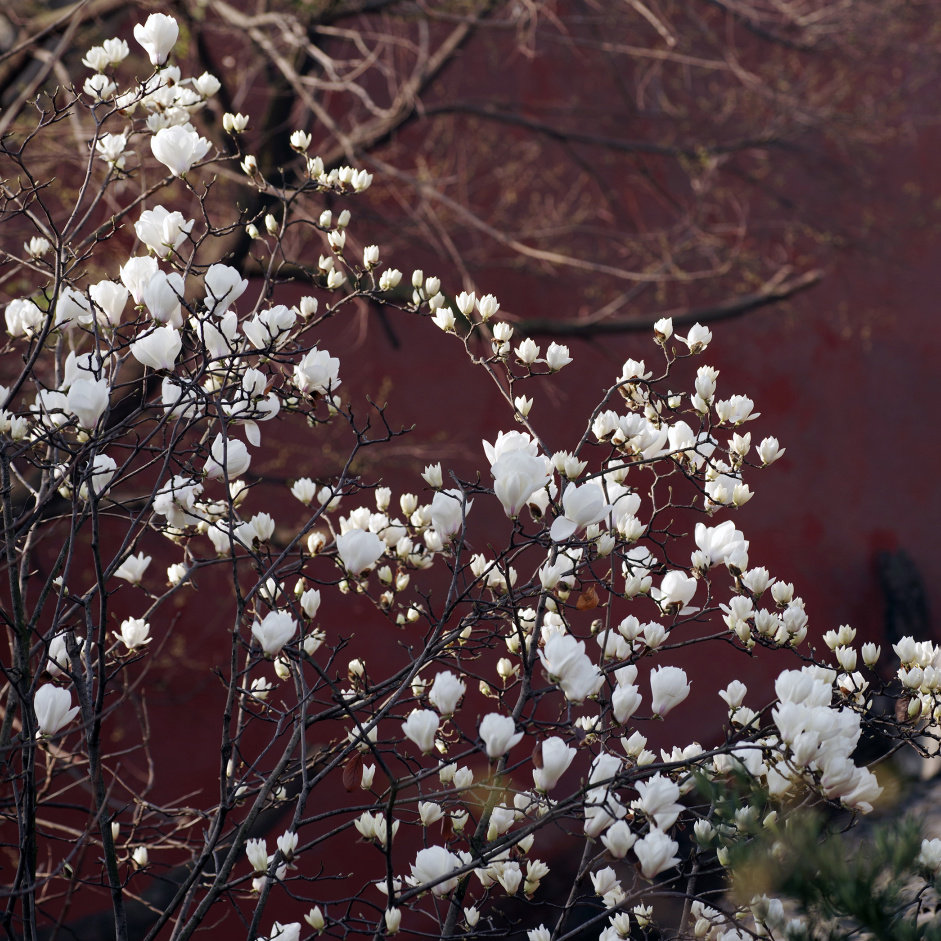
[(300, 141)]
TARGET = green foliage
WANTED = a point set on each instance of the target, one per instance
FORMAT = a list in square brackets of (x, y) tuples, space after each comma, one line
[(845, 887)]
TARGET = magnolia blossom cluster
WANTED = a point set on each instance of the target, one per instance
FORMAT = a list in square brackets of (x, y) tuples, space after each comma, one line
[(526, 691)]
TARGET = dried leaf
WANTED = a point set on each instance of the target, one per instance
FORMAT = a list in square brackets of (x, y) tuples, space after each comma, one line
[(587, 599), (353, 772), (537, 755)]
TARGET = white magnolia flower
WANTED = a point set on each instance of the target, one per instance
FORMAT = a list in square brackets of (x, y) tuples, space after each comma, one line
[(310, 602), (157, 36), (659, 800), (52, 709), (96, 58), (420, 727), (930, 855), (228, 457), (140, 857), (206, 85), (487, 306), (555, 757), (110, 299), (564, 659), (446, 692), (668, 688), (87, 400), (675, 592), (116, 50), (770, 450), (37, 246), (359, 549), (111, 147), (100, 474), (498, 733), (527, 351), (431, 866), (582, 506), (557, 356), (448, 510), (99, 87), (136, 273), (663, 329), (24, 318), (274, 631), (132, 568), (134, 633), (625, 701), (618, 839), (656, 853), (270, 329), (224, 285), (517, 476), (179, 147), (698, 338), (162, 231), (316, 373), (719, 542), (159, 348)]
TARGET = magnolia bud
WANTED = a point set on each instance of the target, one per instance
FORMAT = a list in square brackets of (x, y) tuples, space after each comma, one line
[(300, 141)]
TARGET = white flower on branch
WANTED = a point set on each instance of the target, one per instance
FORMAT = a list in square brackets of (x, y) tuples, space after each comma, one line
[(446, 692), (52, 709), (23, 318), (499, 734), (448, 511), (656, 853), (110, 299), (668, 688), (582, 506), (224, 285), (420, 727), (136, 273), (565, 661), (157, 36), (359, 549), (134, 633), (132, 568), (433, 864), (162, 231), (517, 476), (274, 631), (555, 758), (316, 373), (179, 147), (228, 457), (159, 348)]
